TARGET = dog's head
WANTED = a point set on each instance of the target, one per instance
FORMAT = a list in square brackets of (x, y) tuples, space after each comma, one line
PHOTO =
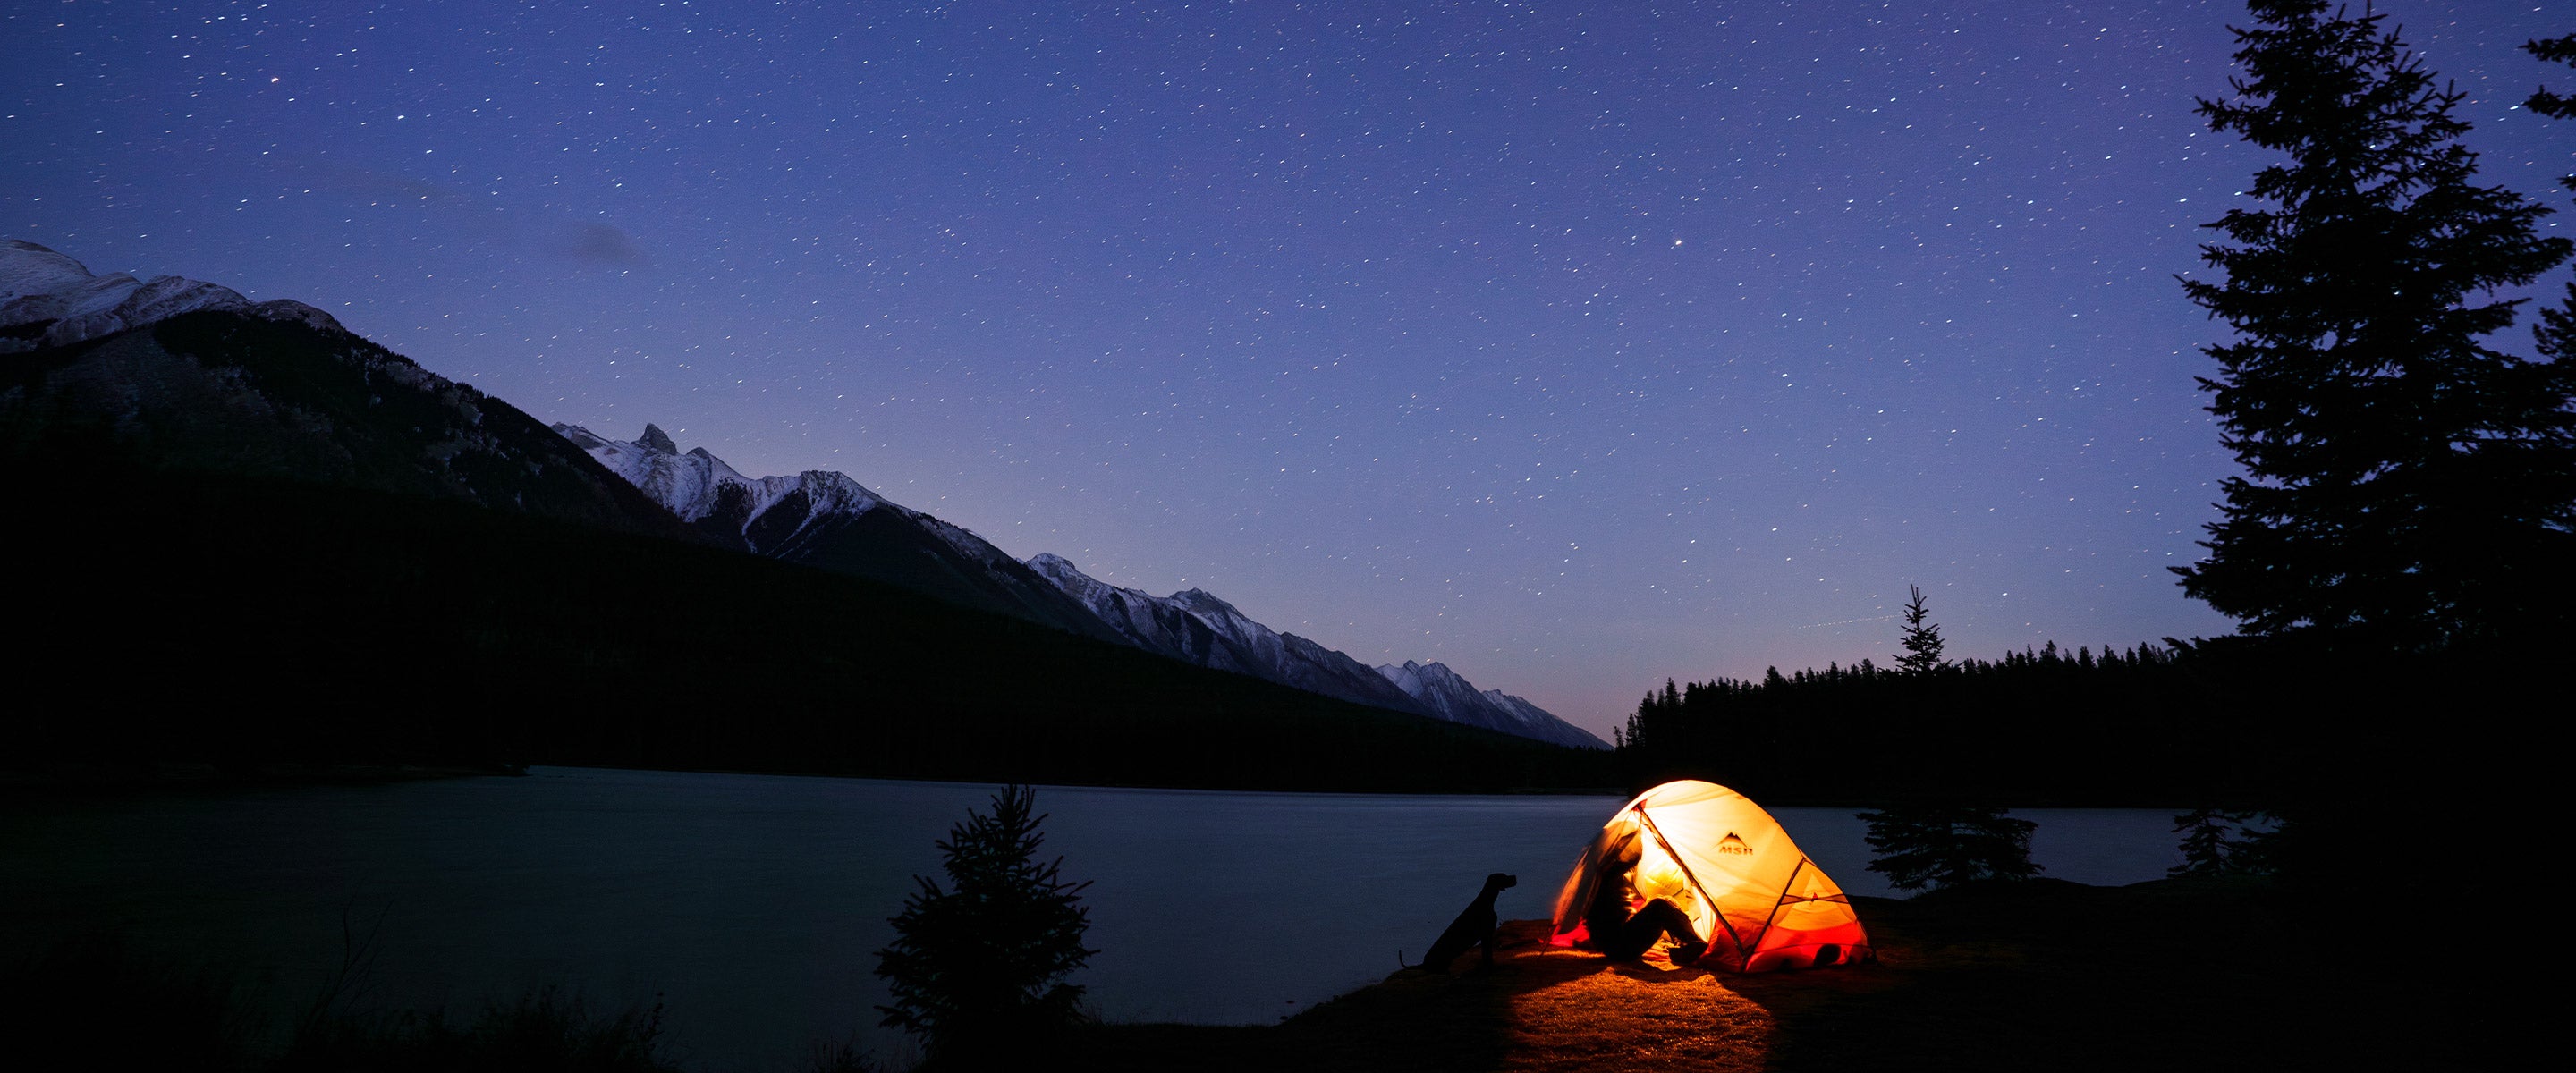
[(1501, 881)]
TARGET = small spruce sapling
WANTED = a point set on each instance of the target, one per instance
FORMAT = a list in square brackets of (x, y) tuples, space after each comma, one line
[(979, 967), (1922, 641)]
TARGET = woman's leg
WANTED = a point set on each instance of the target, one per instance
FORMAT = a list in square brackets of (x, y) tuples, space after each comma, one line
[(1657, 919)]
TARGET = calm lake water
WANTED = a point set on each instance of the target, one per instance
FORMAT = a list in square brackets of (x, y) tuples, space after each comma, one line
[(753, 905)]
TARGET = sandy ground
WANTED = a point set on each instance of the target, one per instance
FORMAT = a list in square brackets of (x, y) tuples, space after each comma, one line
[(2039, 975)]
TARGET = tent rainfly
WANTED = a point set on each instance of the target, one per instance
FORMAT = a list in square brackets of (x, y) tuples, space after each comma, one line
[(1712, 852)]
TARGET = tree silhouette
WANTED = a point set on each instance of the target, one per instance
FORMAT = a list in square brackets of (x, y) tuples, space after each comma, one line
[(2556, 332), (1947, 845), (978, 969), (2400, 476), (2218, 842), (1922, 642), (2553, 105)]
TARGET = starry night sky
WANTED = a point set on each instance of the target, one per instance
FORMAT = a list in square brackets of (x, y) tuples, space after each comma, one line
[(1576, 345)]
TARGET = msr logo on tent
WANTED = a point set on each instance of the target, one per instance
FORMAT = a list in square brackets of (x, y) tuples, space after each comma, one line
[(1732, 844)]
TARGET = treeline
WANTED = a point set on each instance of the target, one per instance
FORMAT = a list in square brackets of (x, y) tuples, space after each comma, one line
[(181, 617), (2234, 722)]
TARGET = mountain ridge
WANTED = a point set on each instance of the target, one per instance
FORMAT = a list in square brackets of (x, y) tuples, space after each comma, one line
[(175, 373), (823, 518), (801, 519), (180, 374)]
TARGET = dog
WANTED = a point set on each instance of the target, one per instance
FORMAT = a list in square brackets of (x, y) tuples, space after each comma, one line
[(1473, 928)]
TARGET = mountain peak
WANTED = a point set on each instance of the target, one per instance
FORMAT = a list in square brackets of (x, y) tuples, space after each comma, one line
[(48, 299), (27, 268), (1452, 697), (655, 439), (1202, 600)]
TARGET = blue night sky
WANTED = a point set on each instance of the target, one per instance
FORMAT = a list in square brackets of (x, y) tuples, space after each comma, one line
[(1575, 345)]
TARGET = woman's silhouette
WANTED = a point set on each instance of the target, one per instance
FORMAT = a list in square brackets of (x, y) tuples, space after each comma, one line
[(1623, 935)]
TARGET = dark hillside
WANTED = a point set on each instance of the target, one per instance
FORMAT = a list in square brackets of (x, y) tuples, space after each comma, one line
[(249, 541), (181, 616), (229, 392)]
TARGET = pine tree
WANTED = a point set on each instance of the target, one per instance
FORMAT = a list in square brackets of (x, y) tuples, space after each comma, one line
[(2399, 474), (1922, 642), (980, 966)]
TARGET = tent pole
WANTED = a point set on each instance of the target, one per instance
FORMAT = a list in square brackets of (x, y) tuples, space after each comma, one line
[(1777, 903)]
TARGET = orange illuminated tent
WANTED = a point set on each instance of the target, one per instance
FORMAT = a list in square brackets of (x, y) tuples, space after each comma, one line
[(1712, 852)]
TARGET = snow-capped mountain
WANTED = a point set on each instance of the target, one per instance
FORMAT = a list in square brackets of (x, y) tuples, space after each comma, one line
[(175, 374), (1195, 626), (177, 377), (1443, 693), (48, 300), (824, 519)]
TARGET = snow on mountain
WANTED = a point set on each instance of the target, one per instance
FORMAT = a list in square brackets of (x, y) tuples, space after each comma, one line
[(825, 519), (698, 486), (176, 375), (1443, 693), (48, 299), (1196, 626)]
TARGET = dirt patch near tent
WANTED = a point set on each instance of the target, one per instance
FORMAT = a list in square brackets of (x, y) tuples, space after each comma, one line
[(2038, 975)]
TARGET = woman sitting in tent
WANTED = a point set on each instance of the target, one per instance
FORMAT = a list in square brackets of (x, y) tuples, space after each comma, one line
[(1623, 935)]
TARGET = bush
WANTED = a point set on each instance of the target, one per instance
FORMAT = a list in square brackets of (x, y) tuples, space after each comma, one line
[(2223, 842), (1947, 845), (543, 1030), (94, 998)]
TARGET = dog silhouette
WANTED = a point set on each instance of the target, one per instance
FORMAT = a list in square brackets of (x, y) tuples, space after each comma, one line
[(1473, 928)]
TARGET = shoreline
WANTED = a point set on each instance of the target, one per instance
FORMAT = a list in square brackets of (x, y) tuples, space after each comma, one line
[(2037, 974), (2040, 974)]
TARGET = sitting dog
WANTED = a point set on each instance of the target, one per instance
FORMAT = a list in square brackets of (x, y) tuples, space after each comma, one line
[(1474, 927)]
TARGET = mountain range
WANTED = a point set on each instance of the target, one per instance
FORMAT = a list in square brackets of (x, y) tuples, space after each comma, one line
[(181, 376), (826, 519)]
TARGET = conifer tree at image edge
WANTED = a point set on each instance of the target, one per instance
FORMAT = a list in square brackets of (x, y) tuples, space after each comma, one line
[(2400, 476), (979, 968), (2555, 335)]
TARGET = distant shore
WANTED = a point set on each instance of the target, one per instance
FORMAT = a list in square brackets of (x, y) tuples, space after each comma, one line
[(110, 779), (70, 779)]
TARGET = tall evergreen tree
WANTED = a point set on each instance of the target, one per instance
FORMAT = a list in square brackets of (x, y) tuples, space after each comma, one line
[(2400, 475)]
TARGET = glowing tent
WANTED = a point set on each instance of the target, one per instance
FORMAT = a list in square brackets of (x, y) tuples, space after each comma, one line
[(1713, 853)]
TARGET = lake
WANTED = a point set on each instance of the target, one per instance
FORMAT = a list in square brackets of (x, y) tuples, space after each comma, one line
[(753, 905)]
